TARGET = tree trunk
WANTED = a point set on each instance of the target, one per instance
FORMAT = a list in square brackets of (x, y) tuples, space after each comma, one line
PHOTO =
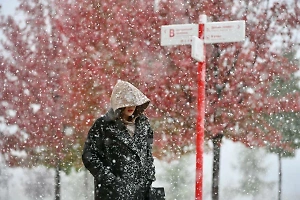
[(87, 185), (280, 176), (216, 166), (57, 182)]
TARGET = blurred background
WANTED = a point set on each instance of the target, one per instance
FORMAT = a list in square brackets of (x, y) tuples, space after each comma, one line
[(60, 59)]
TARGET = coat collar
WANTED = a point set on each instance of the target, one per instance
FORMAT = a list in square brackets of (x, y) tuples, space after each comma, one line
[(121, 132), (123, 135)]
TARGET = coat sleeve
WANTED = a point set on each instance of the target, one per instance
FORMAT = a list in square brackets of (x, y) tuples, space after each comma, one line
[(93, 154), (151, 166)]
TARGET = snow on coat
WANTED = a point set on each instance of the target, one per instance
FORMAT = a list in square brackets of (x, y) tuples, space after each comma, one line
[(122, 165)]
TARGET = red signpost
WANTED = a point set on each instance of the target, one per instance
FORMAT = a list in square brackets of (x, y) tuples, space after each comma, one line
[(201, 115), (196, 35)]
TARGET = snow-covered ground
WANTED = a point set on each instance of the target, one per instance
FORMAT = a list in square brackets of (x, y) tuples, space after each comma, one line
[(178, 178)]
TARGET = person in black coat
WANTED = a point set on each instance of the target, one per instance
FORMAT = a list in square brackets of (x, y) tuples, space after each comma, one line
[(118, 148)]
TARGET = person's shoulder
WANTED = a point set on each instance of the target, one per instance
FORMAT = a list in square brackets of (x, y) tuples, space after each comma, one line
[(97, 123), (100, 119), (105, 118)]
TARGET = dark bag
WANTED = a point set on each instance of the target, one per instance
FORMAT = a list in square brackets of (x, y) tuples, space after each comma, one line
[(157, 193)]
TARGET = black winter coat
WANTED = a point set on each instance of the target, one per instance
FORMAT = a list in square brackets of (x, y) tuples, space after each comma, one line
[(122, 165)]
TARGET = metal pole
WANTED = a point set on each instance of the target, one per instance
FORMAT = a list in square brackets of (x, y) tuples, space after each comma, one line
[(200, 116)]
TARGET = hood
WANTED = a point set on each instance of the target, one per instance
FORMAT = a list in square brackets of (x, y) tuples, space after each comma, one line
[(125, 94)]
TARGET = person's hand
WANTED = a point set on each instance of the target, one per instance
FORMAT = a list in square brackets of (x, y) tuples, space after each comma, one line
[(145, 186)]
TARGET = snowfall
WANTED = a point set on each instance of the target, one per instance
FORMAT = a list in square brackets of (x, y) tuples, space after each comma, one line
[(177, 177)]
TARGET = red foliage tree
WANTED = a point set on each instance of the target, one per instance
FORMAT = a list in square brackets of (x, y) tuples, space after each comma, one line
[(93, 43), (34, 96), (32, 83)]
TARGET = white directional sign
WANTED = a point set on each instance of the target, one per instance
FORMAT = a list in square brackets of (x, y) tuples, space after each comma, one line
[(214, 32), (220, 32), (197, 49), (178, 34)]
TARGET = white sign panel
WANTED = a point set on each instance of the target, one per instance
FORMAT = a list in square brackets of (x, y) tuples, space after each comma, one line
[(178, 34), (197, 49), (220, 32)]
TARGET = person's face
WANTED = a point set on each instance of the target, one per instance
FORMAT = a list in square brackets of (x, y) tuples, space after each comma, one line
[(128, 111)]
